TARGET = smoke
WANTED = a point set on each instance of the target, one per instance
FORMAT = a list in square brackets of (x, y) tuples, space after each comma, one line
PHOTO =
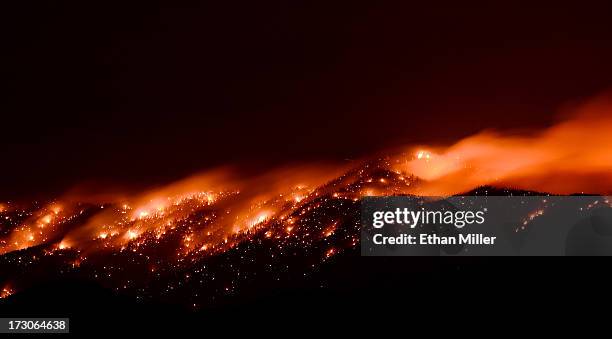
[(572, 156)]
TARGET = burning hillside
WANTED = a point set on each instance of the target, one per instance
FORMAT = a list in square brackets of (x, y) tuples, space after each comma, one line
[(216, 233)]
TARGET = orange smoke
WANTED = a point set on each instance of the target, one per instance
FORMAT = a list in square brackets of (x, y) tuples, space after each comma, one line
[(570, 157)]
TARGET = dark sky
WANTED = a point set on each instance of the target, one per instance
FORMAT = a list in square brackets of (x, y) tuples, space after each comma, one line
[(150, 91)]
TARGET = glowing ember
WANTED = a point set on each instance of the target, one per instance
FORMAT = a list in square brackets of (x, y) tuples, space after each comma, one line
[(6, 292), (261, 217), (130, 234), (330, 252), (47, 219), (56, 209), (330, 230), (423, 155)]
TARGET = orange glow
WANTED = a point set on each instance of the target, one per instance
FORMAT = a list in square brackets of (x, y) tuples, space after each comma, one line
[(219, 208), (570, 157), (242, 205), (330, 230), (39, 227), (63, 245), (6, 292), (46, 219), (330, 252), (130, 234)]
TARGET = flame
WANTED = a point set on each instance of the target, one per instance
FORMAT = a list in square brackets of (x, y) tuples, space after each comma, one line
[(217, 209), (212, 212), (232, 204), (40, 227), (63, 245), (6, 292)]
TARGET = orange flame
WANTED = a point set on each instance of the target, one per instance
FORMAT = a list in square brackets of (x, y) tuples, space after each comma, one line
[(214, 209), (241, 204)]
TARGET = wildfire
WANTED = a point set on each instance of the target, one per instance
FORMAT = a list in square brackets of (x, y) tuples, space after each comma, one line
[(46, 219), (56, 209), (63, 245), (330, 252), (37, 227), (131, 234), (215, 212), (530, 217), (261, 217), (330, 229), (423, 155), (6, 292)]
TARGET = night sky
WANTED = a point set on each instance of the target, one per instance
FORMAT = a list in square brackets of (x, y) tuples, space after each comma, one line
[(147, 92)]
